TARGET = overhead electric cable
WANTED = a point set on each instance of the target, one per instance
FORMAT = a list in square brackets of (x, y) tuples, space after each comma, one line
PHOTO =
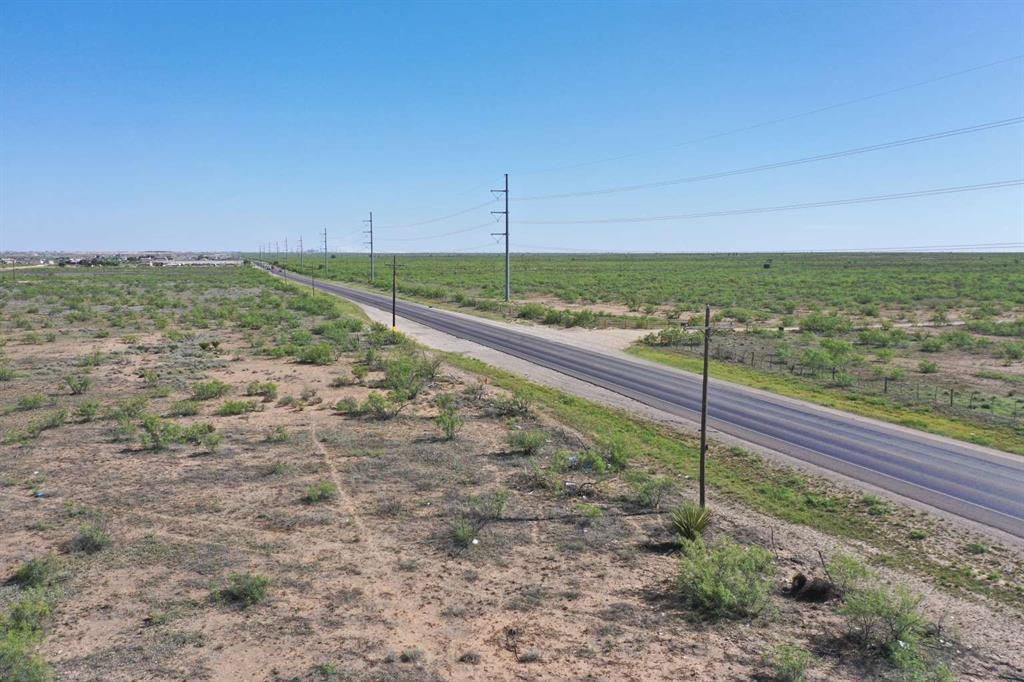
[(783, 119), (489, 223), (782, 164), (786, 207), (439, 218)]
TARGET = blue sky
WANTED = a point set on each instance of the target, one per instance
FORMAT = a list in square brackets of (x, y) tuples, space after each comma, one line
[(223, 126)]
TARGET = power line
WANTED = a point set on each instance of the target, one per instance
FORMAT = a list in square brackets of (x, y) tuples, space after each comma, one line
[(787, 207), (439, 218), (443, 234), (783, 119), (783, 164)]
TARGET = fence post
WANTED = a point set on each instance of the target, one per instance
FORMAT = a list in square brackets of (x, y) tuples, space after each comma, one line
[(951, 397), (885, 386)]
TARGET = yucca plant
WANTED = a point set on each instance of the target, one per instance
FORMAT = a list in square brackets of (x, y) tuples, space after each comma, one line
[(690, 521)]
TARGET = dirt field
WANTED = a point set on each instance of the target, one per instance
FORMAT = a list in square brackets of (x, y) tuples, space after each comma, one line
[(390, 551)]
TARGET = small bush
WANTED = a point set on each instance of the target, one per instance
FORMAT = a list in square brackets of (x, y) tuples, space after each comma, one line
[(278, 435), (449, 422), (462, 533), (87, 410), (690, 521), (266, 390), (208, 390), (883, 617), (347, 406), (380, 406), (244, 589), (30, 401), (527, 442), (514, 405), (40, 572), (91, 538), (321, 491), (317, 354), (724, 579), (6, 373), (927, 367), (184, 408), (649, 491), (234, 408), (788, 663)]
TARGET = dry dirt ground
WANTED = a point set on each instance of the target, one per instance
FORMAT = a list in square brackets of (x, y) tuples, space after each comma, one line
[(370, 583)]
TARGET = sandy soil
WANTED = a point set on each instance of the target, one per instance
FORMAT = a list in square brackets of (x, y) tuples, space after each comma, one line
[(368, 585)]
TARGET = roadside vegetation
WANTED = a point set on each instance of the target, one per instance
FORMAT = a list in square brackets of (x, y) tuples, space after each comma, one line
[(256, 468)]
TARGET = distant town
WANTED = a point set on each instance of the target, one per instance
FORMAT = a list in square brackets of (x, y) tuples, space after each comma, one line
[(93, 259)]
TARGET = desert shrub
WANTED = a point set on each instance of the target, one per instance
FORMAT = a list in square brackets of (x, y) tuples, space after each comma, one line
[(342, 381), (690, 521), (211, 441), (590, 461), (93, 359), (488, 506), (932, 344), (158, 434), (450, 422), (87, 410), (649, 491), (788, 663), (244, 589), (18, 660), (927, 367), (827, 325), (234, 408), (407, 375), (526, 442), (266, 390), (347, 406), (382, 335), (883, 617), (321, 491), (380, 406), (208, 390), (39, 572), (278, 435), (77, 383), (359, 373), (6, 373), (30, 401), (614, 452), (184, 408), (316, 354), (27, 613), (91, 538), (51, 420), (131, 408), (1011, 351), (124, 430), (513, 405), (462, 532), (724, 579)]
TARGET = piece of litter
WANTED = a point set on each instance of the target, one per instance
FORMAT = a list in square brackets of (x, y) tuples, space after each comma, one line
[(475, 541)]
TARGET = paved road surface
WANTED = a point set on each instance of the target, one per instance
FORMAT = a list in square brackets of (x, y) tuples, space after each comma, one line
[(968, 481)]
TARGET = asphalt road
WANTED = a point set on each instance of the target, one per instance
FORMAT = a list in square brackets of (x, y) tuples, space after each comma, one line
[(971, 482)]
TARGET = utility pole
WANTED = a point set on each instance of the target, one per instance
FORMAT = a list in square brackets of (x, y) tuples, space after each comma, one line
[(704, 402), (278, 250), (394, 290), (508, 288), (300, 252), (370, 232), (286, 249), (325, 253)]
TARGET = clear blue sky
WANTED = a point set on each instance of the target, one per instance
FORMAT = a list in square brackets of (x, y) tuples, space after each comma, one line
[(220, 126)]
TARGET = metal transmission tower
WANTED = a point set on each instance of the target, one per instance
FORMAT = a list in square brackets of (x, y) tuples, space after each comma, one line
[(508, 286), (370, 232)]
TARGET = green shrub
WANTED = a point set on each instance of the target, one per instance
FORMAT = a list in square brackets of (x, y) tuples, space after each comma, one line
[(380, 406), (91, 538), (184, 408), (39, 572), (234, 408), (278, 435), (244, 589), (158, 434), (649, 491), (407, 375), (526, 442), (78, 384), (462, 533), (884, 617), (927, 367), (267, 390), (513, 405), (6, 373), (208, 390), (690, 521), (724, 579), (18, 661), (788, 663), (317, 354), (87, 410), (321, 491), (30, 401), (932, 344), (449, 422), (347, 406)]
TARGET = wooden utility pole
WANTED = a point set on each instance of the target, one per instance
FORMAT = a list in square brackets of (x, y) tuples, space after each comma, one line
[(704, 403), (300, 252), (394, 291), (508, 286)]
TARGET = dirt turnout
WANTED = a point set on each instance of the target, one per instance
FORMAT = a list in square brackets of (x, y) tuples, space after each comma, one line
[(391, 552)]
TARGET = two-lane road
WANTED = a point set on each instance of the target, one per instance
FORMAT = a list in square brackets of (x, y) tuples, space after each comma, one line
[(969, 481)]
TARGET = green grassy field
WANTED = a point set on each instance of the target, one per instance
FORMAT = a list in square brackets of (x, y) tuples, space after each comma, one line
[(749, 286)]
